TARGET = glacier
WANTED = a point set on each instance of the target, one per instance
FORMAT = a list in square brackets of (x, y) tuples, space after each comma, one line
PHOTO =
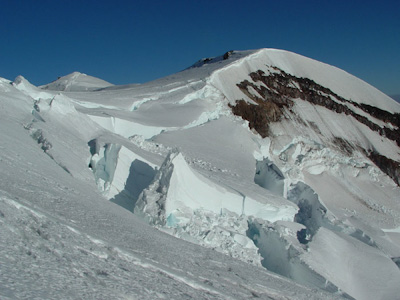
[(258, 173)]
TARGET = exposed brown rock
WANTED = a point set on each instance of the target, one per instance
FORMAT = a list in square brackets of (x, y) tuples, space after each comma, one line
[(387, 165), (259, 116), (275, 97), (380, 114), (280, 88)]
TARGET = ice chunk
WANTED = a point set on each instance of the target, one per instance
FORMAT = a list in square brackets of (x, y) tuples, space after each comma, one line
[(179, 190), (62, 105), (103, 165), (29, 89), (120, 173)]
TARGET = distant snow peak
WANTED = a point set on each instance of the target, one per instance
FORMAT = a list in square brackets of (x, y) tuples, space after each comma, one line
[(19, 79), (76, 82), (23, 84)]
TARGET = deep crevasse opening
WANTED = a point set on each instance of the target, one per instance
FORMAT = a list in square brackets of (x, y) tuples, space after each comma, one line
[(281, 253), (269, 176)]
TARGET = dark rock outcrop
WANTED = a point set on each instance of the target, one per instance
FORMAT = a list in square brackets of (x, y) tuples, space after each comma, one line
[(227, 54), (280, 88), (387, 165), (273, 97)]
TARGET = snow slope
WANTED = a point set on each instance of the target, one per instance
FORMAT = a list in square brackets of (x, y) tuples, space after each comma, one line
[(61, 239), (280, 162)]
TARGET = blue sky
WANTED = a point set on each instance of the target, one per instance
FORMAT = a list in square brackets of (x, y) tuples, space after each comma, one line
[(137, 41)]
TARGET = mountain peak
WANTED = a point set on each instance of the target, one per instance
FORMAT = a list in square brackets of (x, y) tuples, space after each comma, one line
[(76, 82)]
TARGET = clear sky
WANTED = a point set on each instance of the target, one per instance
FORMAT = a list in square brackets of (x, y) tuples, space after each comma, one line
[(138, 41)]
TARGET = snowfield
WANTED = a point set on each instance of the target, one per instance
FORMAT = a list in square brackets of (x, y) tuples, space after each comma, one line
[(257, 174)]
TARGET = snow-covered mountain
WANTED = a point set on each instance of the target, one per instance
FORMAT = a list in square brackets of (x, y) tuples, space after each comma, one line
[(76, 82), (278, 174)]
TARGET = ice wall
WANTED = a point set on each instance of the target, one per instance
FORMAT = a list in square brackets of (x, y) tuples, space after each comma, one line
[(190, 206), (178, 190), (120, 174)]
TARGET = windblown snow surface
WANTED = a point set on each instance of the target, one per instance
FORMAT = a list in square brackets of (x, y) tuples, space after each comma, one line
[(257, 174)]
